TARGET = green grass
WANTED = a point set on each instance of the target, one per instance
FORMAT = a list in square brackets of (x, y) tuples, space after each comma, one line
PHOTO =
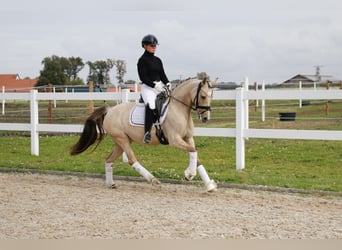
[(283, 163)]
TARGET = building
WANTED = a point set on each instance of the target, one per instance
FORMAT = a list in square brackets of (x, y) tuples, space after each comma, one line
[(13, 83), (293, 82), (310, 81)]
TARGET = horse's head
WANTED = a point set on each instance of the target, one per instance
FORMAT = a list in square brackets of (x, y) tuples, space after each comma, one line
[(203, 98)]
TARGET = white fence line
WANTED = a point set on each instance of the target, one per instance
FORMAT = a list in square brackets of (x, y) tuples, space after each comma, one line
[(241, 132)]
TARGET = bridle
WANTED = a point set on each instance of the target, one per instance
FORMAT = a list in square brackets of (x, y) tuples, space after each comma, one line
[(197, 106)]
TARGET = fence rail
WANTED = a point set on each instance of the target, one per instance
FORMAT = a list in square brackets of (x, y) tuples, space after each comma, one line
[(241, 131)]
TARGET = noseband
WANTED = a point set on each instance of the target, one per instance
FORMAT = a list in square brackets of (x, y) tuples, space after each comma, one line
[(197, 106)]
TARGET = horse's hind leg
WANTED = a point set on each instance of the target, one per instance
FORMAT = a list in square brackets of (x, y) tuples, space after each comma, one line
[(145, 173), (109, 164)]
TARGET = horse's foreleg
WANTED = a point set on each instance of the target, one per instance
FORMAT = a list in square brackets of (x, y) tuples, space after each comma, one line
[(209, 184), (194, 163), (190, 172), (109, 164)]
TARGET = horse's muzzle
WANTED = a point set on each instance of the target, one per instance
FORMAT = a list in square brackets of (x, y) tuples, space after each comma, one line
[(204, 116), (205, 119)]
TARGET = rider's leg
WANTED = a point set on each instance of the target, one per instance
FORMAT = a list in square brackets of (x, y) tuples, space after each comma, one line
[(149, 96), (148, 123)]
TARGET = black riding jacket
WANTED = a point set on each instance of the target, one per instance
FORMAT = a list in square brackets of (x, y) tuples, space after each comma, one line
[(150, 69)]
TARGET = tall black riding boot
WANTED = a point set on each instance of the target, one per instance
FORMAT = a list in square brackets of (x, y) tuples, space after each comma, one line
[(148, 124)]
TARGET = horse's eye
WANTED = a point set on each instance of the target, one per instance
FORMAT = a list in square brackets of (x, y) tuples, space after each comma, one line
[(203, 97)]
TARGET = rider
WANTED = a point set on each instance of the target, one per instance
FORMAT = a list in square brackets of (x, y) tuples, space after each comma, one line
[(153, 78)]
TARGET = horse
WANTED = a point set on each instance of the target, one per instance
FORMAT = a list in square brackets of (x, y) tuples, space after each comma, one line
[(178, 128)]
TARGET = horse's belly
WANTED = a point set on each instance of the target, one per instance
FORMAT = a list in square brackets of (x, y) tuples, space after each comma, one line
[(116, 121)]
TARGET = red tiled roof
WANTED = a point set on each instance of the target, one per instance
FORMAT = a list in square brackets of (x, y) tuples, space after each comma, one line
[(13, 83)]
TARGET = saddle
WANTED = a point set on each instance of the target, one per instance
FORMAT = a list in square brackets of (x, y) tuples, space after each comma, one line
[(138, 114), (160, 101)]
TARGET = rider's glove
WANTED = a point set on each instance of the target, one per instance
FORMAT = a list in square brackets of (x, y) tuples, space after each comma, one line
[(168, 85), (158, 86)]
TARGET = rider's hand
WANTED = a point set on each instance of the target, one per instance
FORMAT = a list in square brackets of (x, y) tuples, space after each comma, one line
[(168, 85), (158, 86)]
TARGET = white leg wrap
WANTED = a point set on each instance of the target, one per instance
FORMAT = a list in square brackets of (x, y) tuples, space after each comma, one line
[(190, 172), (109, 174), (142, 171), (210, 184), (124, 157)]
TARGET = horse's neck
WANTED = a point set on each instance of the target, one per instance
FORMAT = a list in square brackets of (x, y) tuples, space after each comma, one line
[(184, 93), (182, 102)]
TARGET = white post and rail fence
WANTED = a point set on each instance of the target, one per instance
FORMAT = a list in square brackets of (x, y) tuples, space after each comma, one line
[(241, 132)]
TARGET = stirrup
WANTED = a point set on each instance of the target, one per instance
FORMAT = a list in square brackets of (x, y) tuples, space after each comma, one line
[(147, 137)]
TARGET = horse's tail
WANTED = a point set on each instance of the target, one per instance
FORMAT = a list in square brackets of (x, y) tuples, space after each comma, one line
[(90, 134)]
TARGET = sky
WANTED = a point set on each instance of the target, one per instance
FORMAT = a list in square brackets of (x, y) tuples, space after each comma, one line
[(264, 40)]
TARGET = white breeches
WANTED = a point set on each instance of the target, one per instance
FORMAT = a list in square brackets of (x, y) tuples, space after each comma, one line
[(149, 95)]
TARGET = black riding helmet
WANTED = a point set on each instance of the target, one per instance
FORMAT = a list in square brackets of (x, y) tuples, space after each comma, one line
[(149, 39)]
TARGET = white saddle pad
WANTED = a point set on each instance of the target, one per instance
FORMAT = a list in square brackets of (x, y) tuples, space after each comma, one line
[(137, 115)]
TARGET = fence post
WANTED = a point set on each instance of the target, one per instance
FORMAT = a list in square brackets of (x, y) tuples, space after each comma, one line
[(91, 102), (257, 100), (136, 90), (34, 123), (263, 108), (124, 95), (300, 98), (246, 107), (124, 98), (240, 126), (327, 106), (50, 104), (54, 99), (3, 101)]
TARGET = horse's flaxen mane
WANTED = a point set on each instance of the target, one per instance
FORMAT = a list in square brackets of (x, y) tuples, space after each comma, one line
[(186, 81), (181, 89), (200, 77)]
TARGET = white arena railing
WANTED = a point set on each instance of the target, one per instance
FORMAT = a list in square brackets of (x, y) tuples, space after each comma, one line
[(241, 132)]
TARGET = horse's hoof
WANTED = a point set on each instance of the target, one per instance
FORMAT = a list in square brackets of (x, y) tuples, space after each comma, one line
[(155, 182), (112, 185), (189, 175), (211, 186)]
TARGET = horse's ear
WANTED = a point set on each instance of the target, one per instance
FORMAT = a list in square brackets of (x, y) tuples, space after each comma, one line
[(204, 81), (213, 83)]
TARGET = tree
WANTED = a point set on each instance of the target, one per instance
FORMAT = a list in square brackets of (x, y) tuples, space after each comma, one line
[(110, 65), (60, 70), (99, 71), (52, 72), (72, 66), (120, 70)]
